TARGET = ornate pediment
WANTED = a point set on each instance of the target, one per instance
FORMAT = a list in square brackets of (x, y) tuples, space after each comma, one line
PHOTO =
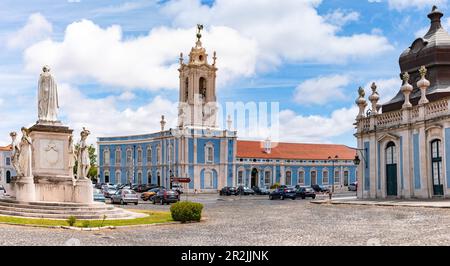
[(388, 136)]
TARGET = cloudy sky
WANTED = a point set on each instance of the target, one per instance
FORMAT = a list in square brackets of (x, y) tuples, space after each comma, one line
[(116, 61)]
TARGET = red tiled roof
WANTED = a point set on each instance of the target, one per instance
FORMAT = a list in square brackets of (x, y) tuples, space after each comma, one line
[(294, 151), (7, 148)]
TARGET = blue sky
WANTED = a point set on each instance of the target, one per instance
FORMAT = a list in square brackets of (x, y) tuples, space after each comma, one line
[(116, 61)]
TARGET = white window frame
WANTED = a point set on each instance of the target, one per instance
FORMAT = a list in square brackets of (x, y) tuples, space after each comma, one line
[(209, 153)]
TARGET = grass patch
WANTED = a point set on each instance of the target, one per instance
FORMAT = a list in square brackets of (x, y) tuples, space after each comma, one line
[(152, 218)]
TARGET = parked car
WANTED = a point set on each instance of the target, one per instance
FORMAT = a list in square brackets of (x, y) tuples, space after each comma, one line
[(98, 196), (109, 192), (306, 192), (166, 196), (228, 191), (261, 191), (283, 193), (2, 190), (245, 191), (353, 186), (125, 196), (149, 194), (319, 188), (144, 187), (178, 188)]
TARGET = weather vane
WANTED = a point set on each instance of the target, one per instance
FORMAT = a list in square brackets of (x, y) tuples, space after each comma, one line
[(199, 33)]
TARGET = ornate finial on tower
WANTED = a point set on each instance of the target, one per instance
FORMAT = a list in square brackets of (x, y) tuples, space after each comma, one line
[(423, 84), (229, 122), (181, 59), (406, 89), (435, 17), (214, 58), (199, 34), (361, 102), (162, 122), (374, 98)]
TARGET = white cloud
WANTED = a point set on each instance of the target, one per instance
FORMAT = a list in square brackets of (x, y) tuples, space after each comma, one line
[(91, 52), (316, 129), (420, 4), (341, 17), (1, 102), (127, 96), (292, 31), (321, 90), (108, 120), (36, 29), (124, 7)]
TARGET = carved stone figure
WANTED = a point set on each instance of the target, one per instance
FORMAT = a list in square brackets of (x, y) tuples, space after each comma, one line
[(15, 153), (25, 160), (84, 164), (47, 97), (72, 154)]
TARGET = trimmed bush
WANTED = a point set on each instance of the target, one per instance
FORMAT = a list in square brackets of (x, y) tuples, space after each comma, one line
[(186, 211), (275, 186), (72, 220), (86, 224)]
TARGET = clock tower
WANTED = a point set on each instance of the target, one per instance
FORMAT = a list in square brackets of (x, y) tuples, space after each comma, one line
[(197, 99)]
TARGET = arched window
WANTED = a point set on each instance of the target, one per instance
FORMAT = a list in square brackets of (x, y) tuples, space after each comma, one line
[(139, 155), (301, 177), (118, 157), (313, 177), (149, 155), (149, 177), (288, 178), (158, 155), (118, 181), (240, 180), (436, 167), (202, 87), (186, 90), (129, 156), (337, 177), (106, 176), (139, 177), (106, 157), (325, 178), (8, 177), (391, 158), (267, 177), (209, 153)]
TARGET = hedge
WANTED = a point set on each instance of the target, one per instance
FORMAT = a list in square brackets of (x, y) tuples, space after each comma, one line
[(186, 211)]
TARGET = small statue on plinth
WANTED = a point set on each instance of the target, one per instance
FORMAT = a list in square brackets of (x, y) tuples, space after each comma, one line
[(84, 163), (25, 162), (15, 153)]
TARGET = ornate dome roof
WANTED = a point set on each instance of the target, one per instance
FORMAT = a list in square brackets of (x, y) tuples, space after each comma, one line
[(433, 52)]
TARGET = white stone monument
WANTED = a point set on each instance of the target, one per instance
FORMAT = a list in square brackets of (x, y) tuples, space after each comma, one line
[(45, 155)]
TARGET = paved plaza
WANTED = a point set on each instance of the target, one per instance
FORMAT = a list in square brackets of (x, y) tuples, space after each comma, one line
[(258, 221)]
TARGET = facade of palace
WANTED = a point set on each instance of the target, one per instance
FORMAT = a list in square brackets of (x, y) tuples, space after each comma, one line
[(212, 157), (6, 167), (405, 143)]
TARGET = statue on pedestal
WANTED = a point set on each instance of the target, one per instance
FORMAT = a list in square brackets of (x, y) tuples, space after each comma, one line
[(84, 163), (15, 153), (72, 155), (25, 162), (47, 97)]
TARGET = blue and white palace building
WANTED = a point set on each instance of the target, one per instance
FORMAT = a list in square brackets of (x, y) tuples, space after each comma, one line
[(404, 144), (6, 168), (213, 157)]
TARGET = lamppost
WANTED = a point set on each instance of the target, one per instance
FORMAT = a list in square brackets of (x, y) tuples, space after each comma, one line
[(333, 160), (357, 162)]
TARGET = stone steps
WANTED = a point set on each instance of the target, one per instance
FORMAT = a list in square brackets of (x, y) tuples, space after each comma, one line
[(48, 210)]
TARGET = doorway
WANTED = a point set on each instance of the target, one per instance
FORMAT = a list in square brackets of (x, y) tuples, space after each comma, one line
[(391, 170), (254, 178), (436, 168)]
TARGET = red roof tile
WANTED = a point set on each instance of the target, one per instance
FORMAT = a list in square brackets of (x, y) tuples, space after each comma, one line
[(294, 151)]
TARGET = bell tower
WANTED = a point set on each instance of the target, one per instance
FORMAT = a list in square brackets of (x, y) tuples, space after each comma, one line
[(197, 100)]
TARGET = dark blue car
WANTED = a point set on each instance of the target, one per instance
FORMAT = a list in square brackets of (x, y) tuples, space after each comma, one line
[(283, 193)]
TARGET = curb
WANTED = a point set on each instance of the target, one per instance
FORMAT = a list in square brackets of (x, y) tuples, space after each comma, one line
[(380, 204)]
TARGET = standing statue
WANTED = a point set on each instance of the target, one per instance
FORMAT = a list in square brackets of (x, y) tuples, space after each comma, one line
[(84, 163), (47, 97), (15, 153), (25, 162), (72, 155)]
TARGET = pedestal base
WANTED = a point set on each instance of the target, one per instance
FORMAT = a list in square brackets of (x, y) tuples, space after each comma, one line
[(59, 189), (83, 191), (25, 190)]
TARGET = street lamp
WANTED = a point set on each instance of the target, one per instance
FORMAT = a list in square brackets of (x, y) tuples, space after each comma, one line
[(357, 162), (335, 160)]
